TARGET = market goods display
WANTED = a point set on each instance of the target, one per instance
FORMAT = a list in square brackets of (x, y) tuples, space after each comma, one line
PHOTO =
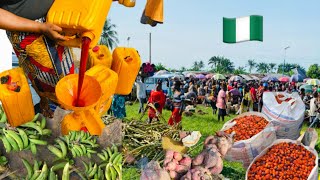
[(253, 132), (286, 112), (26, 136), (142, 139), (284, 160), (76, 155), (176, 163), (247, 126)]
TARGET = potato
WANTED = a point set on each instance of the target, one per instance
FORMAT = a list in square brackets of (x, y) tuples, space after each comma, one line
[(177, 156), (186, 161), (198, 159), (171, 166)]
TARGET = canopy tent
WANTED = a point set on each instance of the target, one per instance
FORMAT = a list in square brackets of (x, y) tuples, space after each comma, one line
[(219, 77), (296, 78), (314, 82), (246, 77), (269, 78), (254, 77)]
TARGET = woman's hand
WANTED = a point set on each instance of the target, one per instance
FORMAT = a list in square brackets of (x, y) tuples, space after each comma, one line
[(53, 32)]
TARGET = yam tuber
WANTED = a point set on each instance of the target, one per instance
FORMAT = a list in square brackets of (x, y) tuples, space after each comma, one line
[(210, 159), (173, 174), (169, 154), (218, 167), (177, 156), (166, 161)]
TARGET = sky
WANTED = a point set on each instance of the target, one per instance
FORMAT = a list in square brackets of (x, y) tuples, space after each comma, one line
[(192, 31)]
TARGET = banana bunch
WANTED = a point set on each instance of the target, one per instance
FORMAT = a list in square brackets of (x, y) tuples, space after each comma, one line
[(26, 136), (112, 161), (60, 149), (93, 171), (3, 117), (81, 143), (39, 171)]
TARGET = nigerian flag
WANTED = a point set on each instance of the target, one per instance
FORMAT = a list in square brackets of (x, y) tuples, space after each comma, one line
[(241, 29)]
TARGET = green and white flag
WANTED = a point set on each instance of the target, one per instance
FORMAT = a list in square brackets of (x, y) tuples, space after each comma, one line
[(242, 29)]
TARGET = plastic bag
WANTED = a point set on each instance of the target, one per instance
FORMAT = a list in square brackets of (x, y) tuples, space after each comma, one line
[(286, 116)]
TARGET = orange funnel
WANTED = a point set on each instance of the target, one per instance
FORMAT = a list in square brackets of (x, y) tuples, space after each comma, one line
[(66, 92)]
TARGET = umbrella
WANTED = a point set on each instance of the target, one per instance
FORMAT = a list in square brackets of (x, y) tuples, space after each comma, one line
[(284, 79), (209, 76), (269, 78), (235, 92), (189, 75), (200, 76), (307, 88), (314, 82), (235, 78), (296, 78), (219, 77), (306, 79), (161, 72)]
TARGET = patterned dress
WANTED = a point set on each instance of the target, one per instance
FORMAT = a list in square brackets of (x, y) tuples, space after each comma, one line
[(43, 61), (118, 106)]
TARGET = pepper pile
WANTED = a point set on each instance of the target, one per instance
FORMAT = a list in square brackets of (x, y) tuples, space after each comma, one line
[(283, 161), (247, 126)]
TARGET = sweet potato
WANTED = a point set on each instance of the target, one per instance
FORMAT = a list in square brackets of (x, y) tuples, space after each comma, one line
[(166, 161), (187, 176), (186, 161), (183, 134), (210, 140), (177, 156), (171, 166), (224, 144), (218, 167), (181, 168), (175, 161), (173, 174), (198, 159), (169, 154)]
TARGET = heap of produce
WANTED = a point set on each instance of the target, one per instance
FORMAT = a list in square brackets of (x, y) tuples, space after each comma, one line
[(176, 163), (283, 161), (145, 140), (76, 155), (247, 126)]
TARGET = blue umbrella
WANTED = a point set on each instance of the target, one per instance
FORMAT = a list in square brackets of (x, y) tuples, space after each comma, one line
[(296, 78), (269, 78)]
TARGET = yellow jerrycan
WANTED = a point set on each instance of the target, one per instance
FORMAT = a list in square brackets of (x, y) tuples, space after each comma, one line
[(108, 80), (82, 117), (128, 3), (16, 97), (126, 63), (79, 18), (99, 55)]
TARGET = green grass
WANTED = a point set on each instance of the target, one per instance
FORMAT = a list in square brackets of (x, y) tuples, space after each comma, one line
[(207, 124)]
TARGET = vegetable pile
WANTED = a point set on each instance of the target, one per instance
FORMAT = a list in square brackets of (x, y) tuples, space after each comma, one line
[(283, 161), (176, 164), (247, 126), (144, 140)]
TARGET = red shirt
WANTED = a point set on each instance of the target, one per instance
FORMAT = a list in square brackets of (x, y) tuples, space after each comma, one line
[(253, 94)]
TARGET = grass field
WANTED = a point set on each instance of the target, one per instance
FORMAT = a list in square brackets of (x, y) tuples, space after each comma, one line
[(207, 124)]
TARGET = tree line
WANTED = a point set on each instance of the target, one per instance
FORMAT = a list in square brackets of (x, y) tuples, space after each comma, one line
[(220, 64)]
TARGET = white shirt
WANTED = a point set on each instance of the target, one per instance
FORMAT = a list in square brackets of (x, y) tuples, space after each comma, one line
[(141, 89), (313, 107)]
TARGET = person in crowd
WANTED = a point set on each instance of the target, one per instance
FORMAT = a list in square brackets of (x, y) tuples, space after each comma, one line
[(158, 99), (222, 102), (247, 103), (302, 93), (118, 106), (178, 105), (314, 106), (141, 93), (201, 93), (27, 30)]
